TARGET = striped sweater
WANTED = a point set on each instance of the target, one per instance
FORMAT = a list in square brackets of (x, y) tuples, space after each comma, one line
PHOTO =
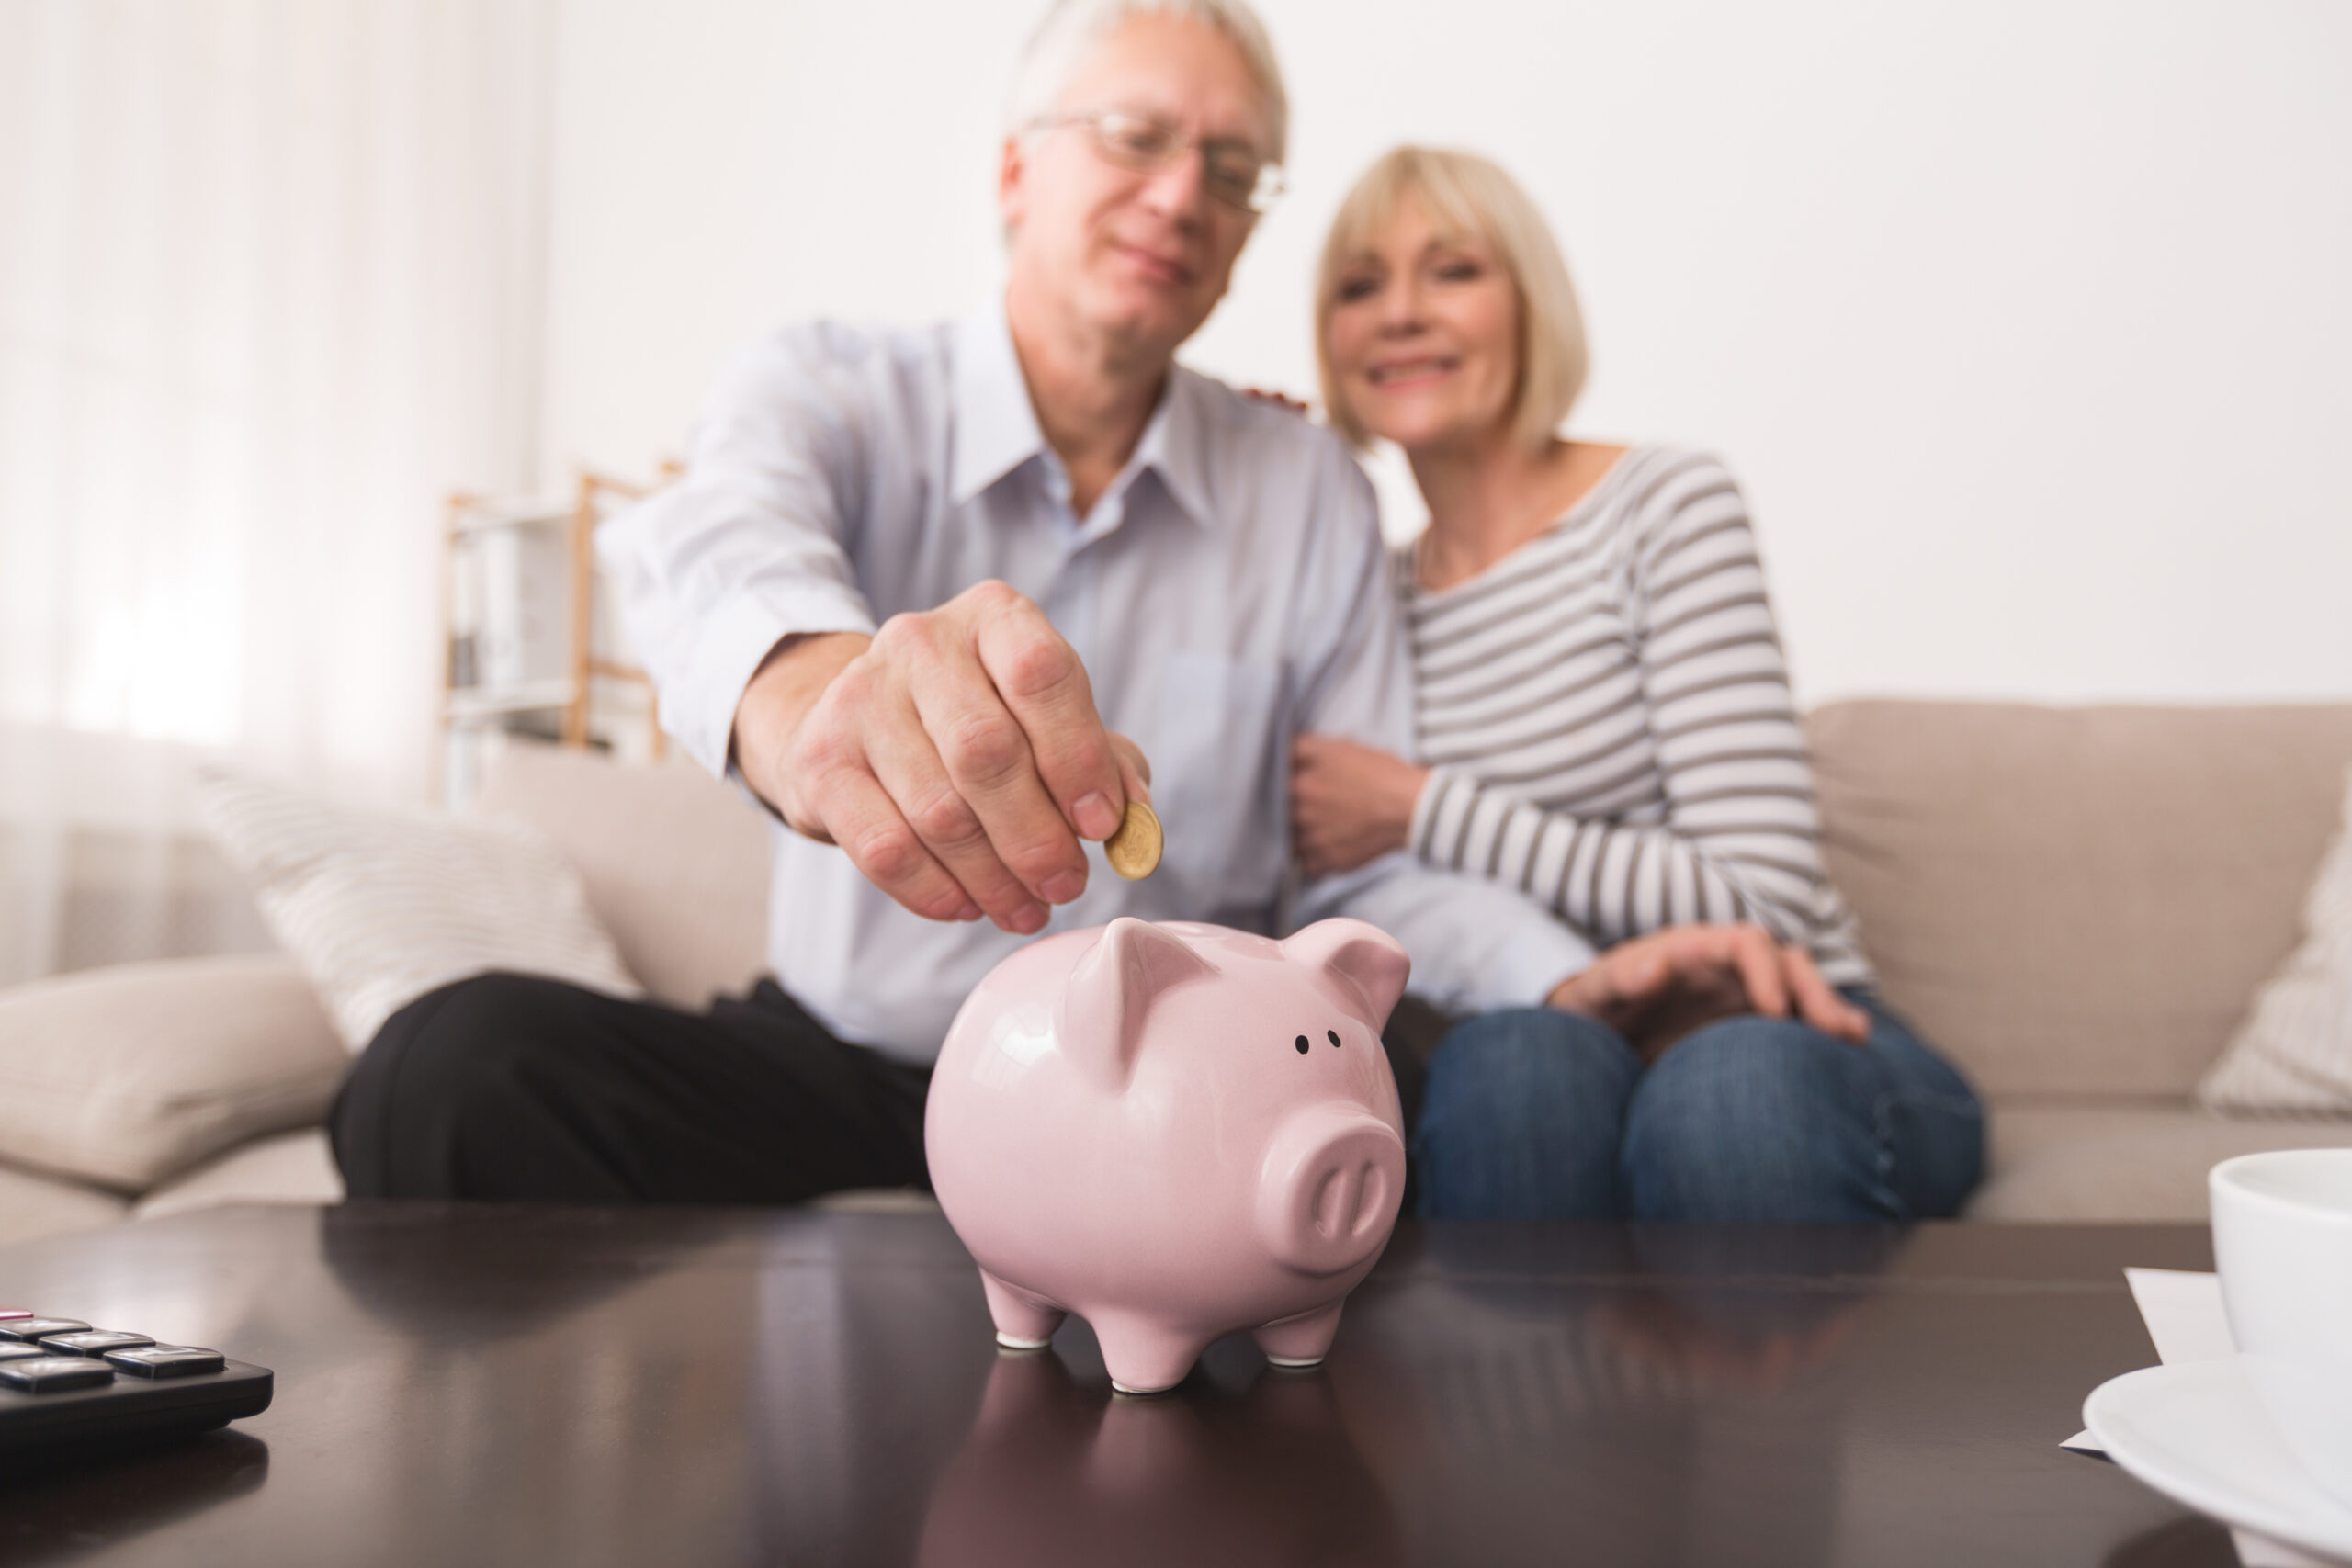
[(1607, 719)]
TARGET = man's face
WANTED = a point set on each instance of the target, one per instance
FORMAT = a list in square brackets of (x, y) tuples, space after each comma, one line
[(1139, 257)]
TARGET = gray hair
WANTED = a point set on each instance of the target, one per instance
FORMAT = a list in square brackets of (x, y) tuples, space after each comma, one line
[(1072, 27)]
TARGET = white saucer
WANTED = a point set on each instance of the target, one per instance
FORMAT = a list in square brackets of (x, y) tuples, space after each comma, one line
[(2195, 1433)]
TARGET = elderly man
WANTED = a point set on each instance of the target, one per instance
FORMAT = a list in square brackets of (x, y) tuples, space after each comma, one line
[(944, 600)]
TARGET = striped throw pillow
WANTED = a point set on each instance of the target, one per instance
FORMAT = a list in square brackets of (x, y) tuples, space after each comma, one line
[(2294, 1051), (380, 906)]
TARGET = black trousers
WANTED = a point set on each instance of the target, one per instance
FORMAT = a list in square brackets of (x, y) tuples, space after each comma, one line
[(516, 1087)]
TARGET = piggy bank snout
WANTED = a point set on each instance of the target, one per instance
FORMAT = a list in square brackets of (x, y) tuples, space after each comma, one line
[(1329, 1189)]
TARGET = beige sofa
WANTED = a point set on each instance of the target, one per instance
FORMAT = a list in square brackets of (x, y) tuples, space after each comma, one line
[(2078, 904)]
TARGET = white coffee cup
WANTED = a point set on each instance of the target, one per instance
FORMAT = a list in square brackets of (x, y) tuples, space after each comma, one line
[(2282, 1239)]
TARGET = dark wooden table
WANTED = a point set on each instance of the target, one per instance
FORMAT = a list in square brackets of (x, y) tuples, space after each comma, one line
[(514, 1385)]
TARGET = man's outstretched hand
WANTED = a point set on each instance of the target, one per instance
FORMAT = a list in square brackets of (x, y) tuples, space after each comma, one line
[(955, 755), (1655, 989)]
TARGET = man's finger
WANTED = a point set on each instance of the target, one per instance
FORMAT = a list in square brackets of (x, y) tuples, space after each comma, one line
[(1758, 961), (1135, 768), (921, 784), (996, 794), (860, 816), (1044, 686)]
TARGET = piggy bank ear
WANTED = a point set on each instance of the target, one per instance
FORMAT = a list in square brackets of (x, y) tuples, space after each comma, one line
[(1112, 990), (1369, 965)]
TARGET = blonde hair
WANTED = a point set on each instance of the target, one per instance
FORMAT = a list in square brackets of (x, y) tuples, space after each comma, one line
[(1071, 29), (1467, 196)]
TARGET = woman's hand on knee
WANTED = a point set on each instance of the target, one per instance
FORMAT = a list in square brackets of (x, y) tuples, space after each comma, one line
[(1655, 989), (1817, 1001)]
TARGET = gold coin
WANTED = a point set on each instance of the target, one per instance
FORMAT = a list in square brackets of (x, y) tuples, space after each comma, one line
[(1133, 849)]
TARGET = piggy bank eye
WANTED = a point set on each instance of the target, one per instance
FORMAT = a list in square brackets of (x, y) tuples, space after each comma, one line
[(1302, 1045), (1333, 1036)]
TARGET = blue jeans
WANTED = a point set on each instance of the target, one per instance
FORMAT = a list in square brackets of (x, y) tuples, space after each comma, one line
[(1543, 1115)]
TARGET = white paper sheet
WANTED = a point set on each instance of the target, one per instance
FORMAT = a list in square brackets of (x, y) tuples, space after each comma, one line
[(2183, 1311)]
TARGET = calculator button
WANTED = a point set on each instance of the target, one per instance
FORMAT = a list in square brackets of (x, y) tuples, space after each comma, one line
[(48, 1374), (41, 1327), (16, 1350), (165, 1362), (92, 1342)]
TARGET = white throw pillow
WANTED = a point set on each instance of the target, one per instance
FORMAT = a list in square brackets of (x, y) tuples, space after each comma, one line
[(2294, 1051), (127, 1073), (380, 906)]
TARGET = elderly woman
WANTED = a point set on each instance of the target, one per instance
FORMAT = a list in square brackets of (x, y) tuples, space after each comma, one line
[(1605, 725)]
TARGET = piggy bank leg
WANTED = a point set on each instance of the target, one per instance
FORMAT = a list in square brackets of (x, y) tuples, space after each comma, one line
[(1144, 1357), (1023, 1322), (1301, 1341)]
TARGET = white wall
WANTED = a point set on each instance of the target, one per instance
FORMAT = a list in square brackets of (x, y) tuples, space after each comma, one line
[(2029, 325)]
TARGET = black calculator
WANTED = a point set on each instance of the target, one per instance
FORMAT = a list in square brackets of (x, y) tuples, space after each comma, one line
[(63, 1383)]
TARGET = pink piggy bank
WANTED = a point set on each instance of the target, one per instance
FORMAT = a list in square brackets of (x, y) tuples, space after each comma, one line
[(1176, 1132)]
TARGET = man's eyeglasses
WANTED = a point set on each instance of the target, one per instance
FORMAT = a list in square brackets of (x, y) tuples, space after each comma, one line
[(1231, 169)]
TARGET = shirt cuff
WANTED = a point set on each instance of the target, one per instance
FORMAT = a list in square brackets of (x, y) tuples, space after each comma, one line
[(698, 703)]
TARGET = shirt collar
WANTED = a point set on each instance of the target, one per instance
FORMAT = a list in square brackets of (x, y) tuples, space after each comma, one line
[(996, 427), (1174, 447)]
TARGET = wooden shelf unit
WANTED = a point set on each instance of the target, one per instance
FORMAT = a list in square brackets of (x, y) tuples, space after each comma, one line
[(551, 683)]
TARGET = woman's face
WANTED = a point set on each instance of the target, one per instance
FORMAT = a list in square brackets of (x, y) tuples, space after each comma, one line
[(1423, 336)]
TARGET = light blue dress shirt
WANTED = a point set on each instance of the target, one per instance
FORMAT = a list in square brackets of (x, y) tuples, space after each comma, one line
[(1227, 591)]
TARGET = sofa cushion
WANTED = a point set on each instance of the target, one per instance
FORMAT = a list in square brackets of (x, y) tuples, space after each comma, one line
[(2294, 1052), (675, 862), (2076, 901), (384, 906), (125, 1075), (2106, 1162), (34, 1206), (292, 1167)]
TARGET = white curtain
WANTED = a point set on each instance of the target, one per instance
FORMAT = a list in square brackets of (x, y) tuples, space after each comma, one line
[(271, 283)]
